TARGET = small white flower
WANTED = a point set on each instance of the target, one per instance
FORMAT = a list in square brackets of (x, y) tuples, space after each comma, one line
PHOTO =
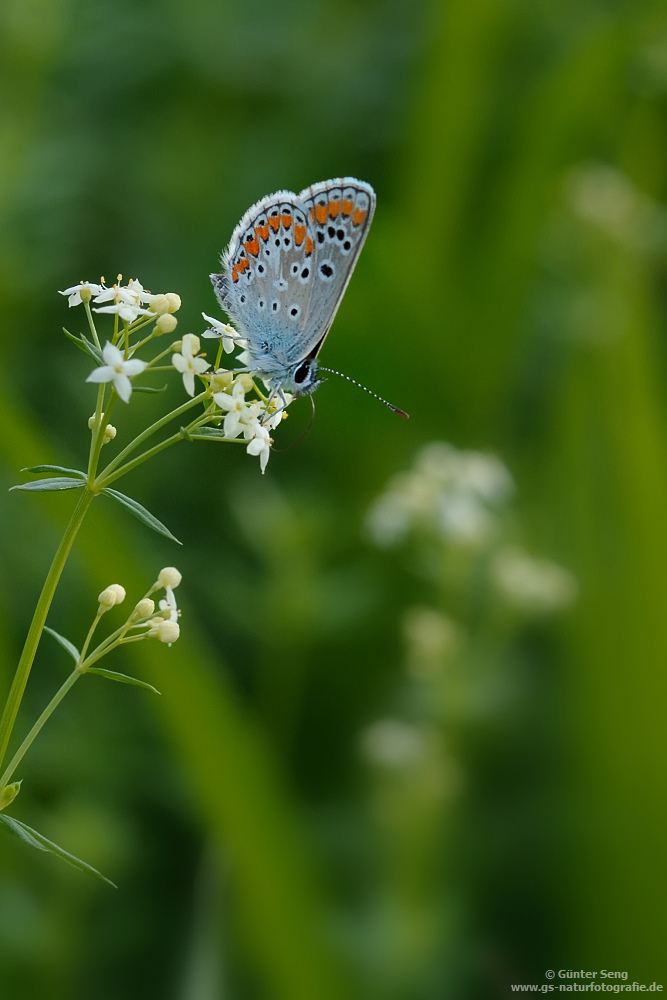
[(260, 443), (127, 299), (276, 411), (168, 606), (187, 364), (224, 332), (75, 293), (235, 407), (117, 370)]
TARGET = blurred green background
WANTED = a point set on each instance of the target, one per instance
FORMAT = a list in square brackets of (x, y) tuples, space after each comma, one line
[(267, 842)]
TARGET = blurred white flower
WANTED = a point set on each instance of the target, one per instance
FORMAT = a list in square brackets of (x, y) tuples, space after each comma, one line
[(392, 743), (431, 639), (536, 586), (453, 493), (117, 370), (83, 292), (188, 364)]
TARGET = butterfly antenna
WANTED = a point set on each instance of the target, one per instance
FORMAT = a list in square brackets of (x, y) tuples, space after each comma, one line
[(395, 409), (303, 434)]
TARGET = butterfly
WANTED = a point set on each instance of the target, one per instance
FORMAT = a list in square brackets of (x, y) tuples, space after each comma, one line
[(285, 272)]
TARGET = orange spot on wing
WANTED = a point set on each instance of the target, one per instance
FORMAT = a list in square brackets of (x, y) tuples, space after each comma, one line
[(334, 207), (311, 213), (243, 265), (263, 231), (274, 222), (309, 246), (299, 234), (235, 273), (321, 214), (252, 246), (286, 220), (347, 206), (358, 217)]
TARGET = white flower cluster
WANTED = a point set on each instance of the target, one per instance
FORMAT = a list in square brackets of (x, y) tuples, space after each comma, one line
[(457, 494), (241, 414), (127, 301), (460, 499), (255, 417)]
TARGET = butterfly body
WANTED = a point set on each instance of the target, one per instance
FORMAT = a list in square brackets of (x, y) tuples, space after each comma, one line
[(285, 272)]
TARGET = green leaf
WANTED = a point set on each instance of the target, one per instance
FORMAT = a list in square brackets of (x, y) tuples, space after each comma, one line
[(147, 388), (75, 340), (65, 643), (55, 468), (94, 351), (44, 485), (41, 843), (122, 678), (141, 513)]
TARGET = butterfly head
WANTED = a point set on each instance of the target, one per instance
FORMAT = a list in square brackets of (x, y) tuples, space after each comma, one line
[(302, 378)]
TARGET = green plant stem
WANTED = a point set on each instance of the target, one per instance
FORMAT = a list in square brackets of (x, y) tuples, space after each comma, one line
[(39, 618), (140, 438), (183, 433), (46, 714), (98, 439)]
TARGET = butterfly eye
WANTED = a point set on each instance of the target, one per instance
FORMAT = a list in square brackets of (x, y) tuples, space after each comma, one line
[(302, 372)]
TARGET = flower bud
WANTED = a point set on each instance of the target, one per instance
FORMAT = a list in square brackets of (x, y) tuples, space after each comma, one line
[(109, 433), (9, 793), (174, 301), (166, 323), (246, 381), (221, 380), (144, 608), (168, 632), (169, 577), (110, 597), (159, 304), (91, 422), (192, 341)]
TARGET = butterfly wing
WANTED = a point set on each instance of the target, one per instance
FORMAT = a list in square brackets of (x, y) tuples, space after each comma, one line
[(267, 279), (340, 212)]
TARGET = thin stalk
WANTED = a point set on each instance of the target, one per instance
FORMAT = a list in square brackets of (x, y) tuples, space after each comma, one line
[(39, 618), (91, 324), (185, 432), (46, 714), (153, 429)]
